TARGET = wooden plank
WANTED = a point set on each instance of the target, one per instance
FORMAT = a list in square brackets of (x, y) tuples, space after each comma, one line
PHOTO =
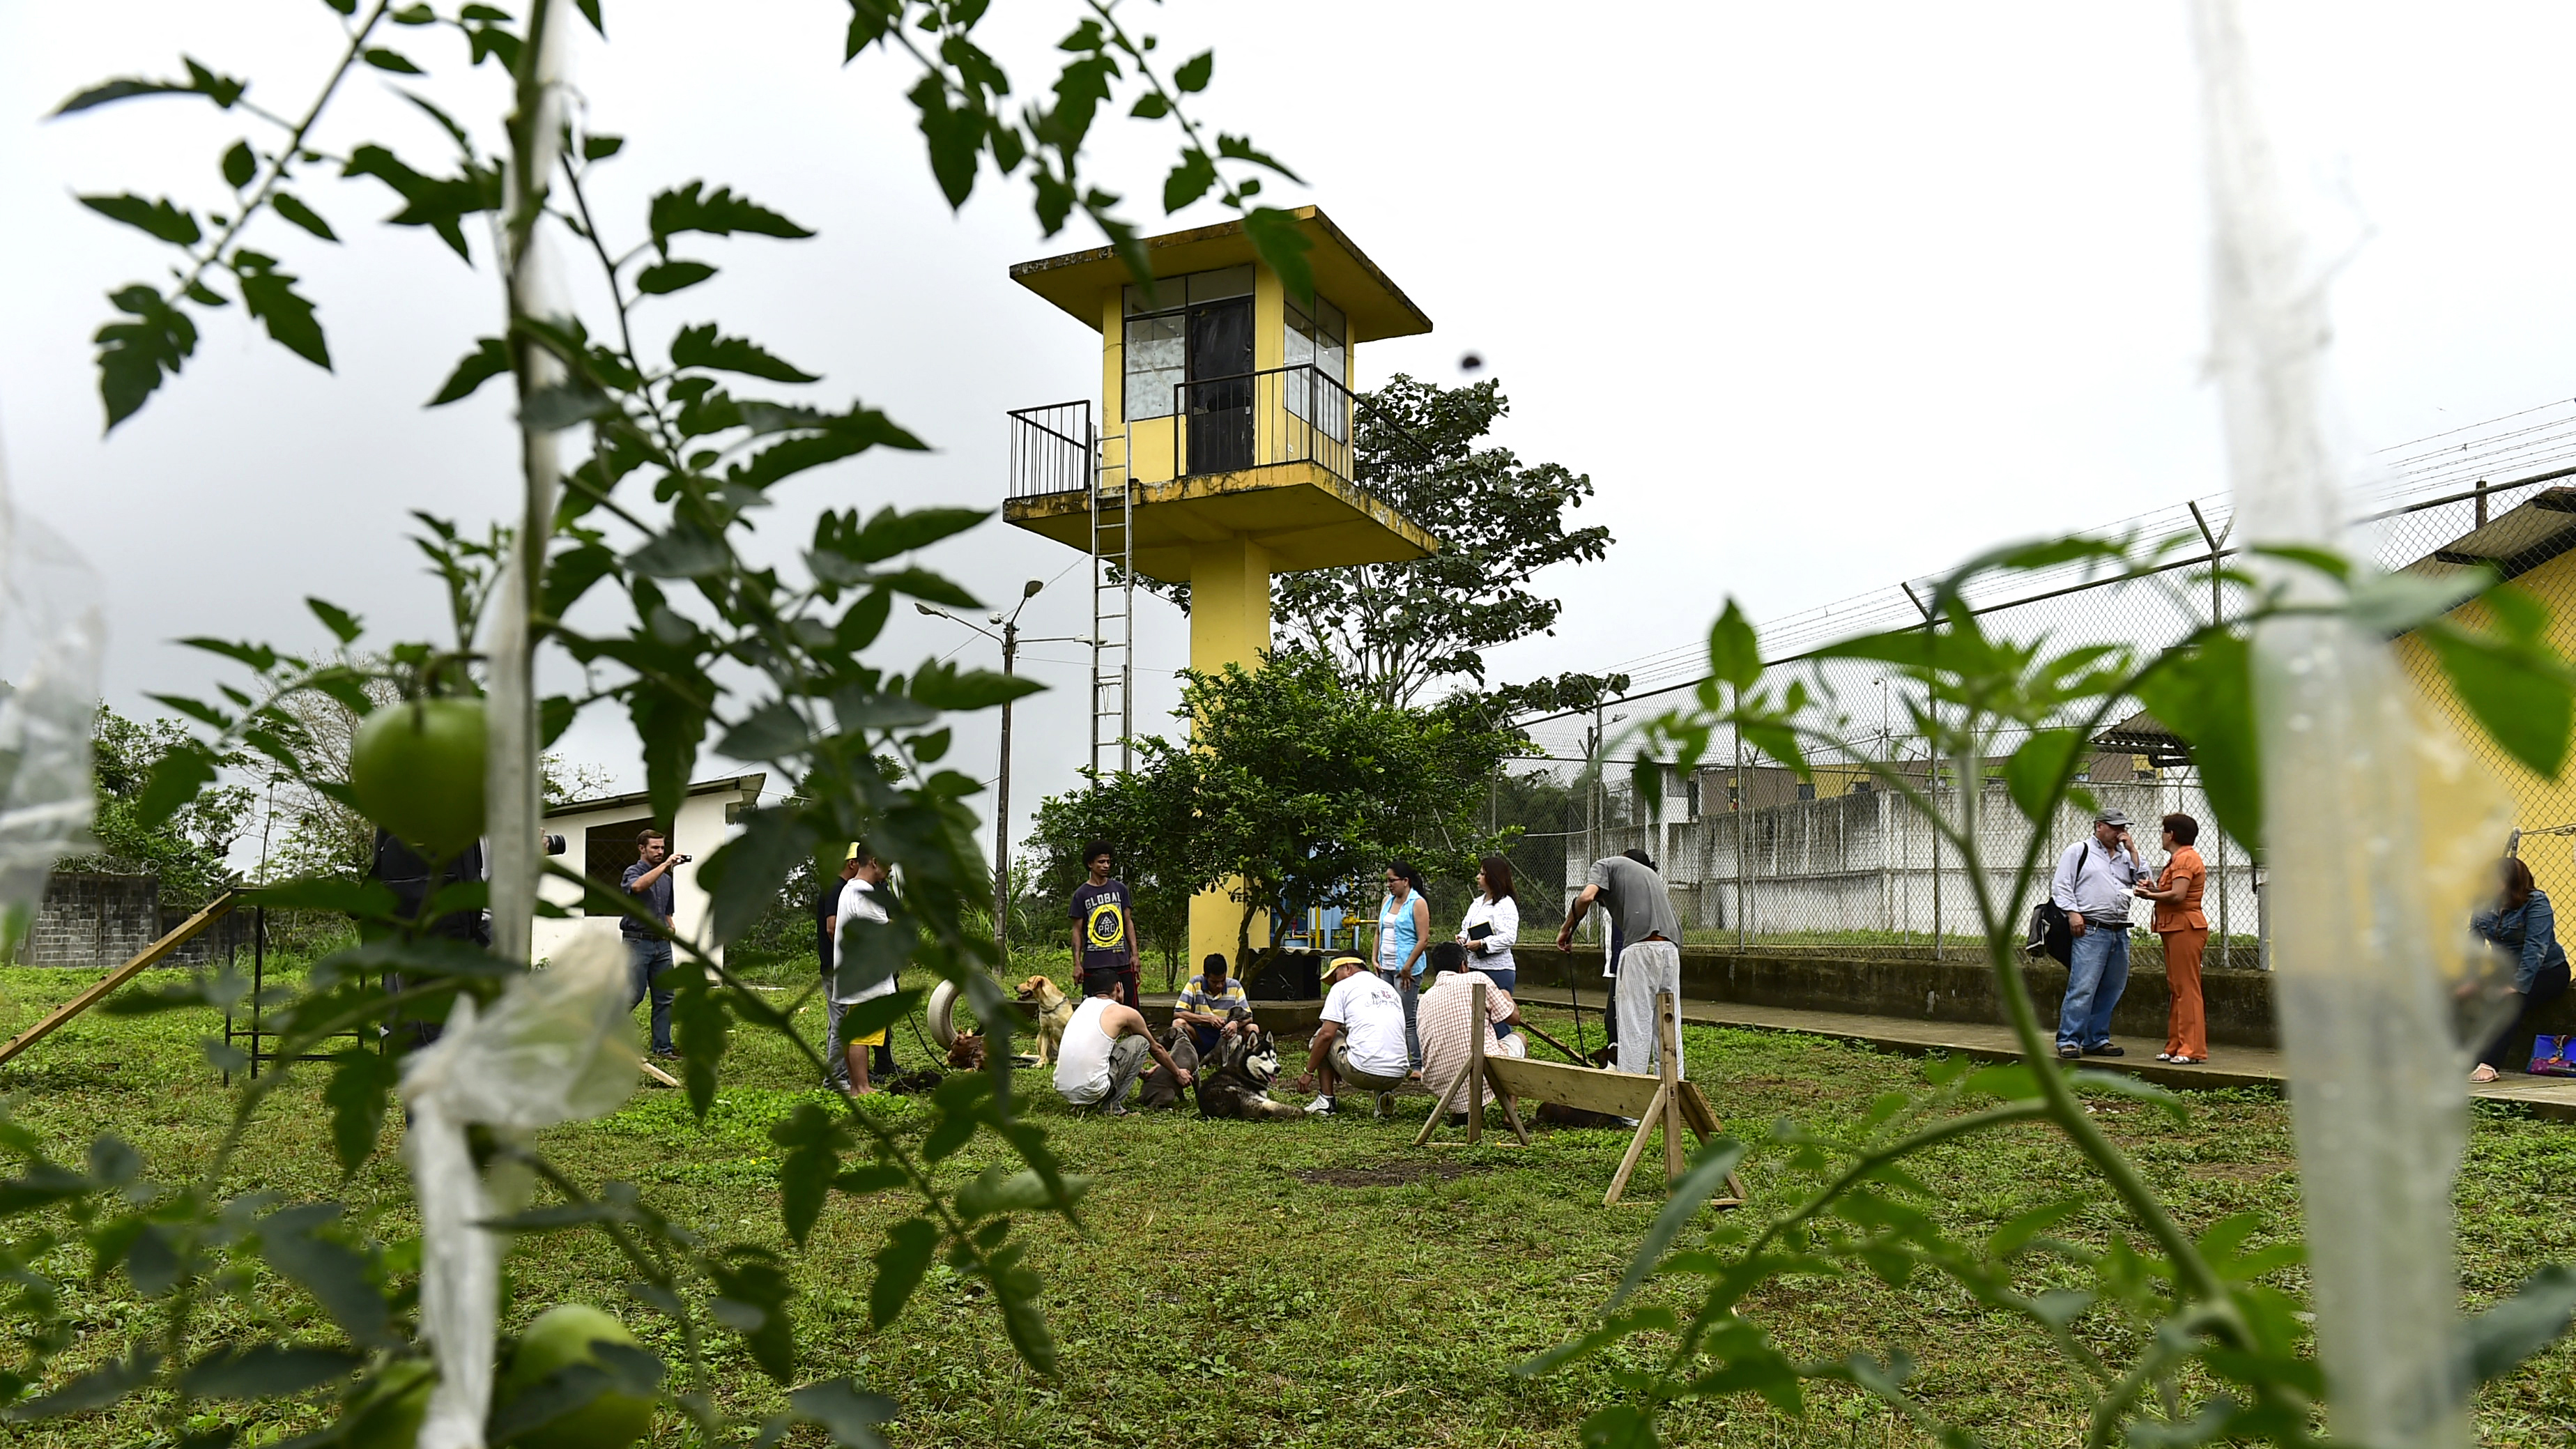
[(1478, 1033), (1647, 1121), (1511, 1105), (1431, 1124), (1668, 1055), (1696, 1111), (1593, 1089), (657, 1074)]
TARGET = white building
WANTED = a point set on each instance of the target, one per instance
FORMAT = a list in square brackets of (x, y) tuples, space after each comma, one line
[(599, 840)]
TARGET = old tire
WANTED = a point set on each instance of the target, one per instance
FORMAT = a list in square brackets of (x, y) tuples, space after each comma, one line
[(942, 1011)]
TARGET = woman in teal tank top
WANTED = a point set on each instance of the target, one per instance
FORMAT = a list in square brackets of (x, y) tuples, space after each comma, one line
[(1403, 934)]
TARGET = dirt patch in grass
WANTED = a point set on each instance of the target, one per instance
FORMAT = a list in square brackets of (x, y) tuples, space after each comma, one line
[(1391, 1174)]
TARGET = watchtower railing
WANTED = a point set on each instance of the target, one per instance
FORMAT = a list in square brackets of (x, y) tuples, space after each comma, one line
[(1215, 425), (1052, 449)]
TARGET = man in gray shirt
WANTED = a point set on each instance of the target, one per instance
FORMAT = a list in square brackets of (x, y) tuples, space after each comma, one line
[(2092, 886), (1650, 957)]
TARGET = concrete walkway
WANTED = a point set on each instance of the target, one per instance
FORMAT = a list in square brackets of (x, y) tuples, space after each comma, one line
[(2228, 1066)]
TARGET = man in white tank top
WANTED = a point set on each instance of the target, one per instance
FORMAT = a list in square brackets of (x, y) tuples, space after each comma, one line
[(1104, 1051)]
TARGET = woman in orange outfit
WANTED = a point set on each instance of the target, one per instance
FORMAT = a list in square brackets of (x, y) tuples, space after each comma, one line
[(2186, 934)]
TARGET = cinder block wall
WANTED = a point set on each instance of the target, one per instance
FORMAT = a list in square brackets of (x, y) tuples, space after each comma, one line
[(93, 920), (98, 919)]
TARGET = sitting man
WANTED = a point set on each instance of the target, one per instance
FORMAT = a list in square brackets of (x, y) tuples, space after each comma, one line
[(1361, 1041), (1446, 1017), (1211, 1006), (1104, 1051)]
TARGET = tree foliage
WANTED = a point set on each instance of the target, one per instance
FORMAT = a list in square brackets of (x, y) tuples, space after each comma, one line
[(1295, 788), (187, 849), (1402, 629)]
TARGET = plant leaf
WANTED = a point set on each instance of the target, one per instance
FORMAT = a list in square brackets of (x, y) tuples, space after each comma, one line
[(700, 347), (2206, 696), (271, 297), (717, 213), (1705, 1175), (266, 1371), (901, 1261), (663, 278), (489, 359), (292, 207), (153, 218), (2515, 1329)]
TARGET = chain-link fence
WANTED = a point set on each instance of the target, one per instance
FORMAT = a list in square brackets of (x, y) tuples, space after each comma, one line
[(1758, 858)]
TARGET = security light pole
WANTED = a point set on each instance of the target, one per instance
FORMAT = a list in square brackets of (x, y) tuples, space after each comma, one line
[(1009, 639)]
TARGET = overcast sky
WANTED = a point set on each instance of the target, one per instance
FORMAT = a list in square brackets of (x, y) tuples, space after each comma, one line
[(1820, 297)]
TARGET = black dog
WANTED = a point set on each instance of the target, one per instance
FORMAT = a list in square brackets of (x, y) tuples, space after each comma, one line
[(1162, 1089), (1238, 1082)]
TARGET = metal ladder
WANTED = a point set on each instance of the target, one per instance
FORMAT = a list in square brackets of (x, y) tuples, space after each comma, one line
[(1113, 608)]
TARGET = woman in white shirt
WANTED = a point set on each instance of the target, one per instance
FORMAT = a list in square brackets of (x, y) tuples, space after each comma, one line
[(1498, 910)]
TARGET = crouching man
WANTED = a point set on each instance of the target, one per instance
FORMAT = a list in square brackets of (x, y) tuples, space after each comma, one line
[(1361, 1041), (1104, 1051)]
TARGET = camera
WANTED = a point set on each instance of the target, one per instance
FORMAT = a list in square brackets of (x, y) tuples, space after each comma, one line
[(554, 844), (682, 859)]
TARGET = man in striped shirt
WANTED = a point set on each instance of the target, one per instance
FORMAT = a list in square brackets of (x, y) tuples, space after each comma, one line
[(1212, 1005)]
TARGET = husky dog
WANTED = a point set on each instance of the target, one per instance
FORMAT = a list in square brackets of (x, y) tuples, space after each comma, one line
[(1054, 1014), (1162, 1089), (1237, 1081)]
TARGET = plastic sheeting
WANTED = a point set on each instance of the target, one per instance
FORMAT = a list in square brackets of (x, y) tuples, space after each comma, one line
[(53, 635), (559, 1046)]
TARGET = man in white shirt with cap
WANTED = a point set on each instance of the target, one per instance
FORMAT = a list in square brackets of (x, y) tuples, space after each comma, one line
[(2092, 885)]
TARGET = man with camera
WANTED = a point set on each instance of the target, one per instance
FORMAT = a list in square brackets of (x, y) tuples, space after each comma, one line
[(2092, 885), (650, 952)]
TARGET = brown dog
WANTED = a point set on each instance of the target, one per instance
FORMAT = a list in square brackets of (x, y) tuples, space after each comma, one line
[(966, 1053), (1054, 1014)]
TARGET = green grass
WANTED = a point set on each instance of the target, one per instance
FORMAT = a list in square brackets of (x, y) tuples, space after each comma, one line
[(1304, 1283)]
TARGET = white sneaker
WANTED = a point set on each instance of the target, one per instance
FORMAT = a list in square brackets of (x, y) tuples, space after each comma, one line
[(1320, 1107), (2164, 1056)]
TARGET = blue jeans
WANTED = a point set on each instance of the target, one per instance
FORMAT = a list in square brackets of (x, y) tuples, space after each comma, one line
[(648, 960), (2095, 976), (1408, 990)]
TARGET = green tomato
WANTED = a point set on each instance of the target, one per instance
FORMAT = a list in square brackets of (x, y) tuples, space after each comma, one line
[(389, 1416), (417, 770), (564, 1334)]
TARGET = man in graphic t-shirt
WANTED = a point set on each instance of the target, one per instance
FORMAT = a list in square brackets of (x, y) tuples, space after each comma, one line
[(1104, 929)]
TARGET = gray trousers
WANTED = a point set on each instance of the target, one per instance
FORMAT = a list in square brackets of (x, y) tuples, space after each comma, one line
[(1646, 967)]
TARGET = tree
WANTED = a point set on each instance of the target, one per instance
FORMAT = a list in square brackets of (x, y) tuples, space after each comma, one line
[(1305, 784), (1399, 629), (186, 850), (1146, 815)]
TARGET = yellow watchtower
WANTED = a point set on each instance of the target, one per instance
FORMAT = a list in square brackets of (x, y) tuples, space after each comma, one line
[(1223, 451)]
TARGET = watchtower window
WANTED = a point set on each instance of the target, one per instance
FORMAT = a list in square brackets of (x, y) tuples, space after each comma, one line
[(1320, 340), (1158, 357)]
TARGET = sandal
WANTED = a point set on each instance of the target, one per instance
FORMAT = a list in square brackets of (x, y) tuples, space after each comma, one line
[(2483, 1075)]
